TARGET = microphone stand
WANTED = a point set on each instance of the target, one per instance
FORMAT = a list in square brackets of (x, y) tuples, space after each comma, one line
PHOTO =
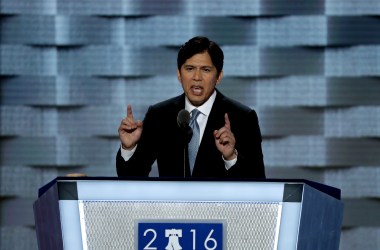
[(187, 134), (184, 161), (183, 120)]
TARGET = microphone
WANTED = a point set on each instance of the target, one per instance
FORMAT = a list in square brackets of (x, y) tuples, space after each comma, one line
[(183, 120)]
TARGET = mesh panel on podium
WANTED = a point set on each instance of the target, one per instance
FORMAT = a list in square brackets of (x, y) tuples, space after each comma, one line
[(110, 224)]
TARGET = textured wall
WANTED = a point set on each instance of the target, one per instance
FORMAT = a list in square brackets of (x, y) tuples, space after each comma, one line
[(311, 69)]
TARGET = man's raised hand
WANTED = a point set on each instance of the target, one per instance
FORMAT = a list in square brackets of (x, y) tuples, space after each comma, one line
[(225, 140), (130, 130)]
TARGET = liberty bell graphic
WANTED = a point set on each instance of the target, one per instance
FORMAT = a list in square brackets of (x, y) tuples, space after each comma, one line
[(173, 235)]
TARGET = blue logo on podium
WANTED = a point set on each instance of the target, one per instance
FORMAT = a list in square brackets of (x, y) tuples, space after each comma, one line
[(178, 236)]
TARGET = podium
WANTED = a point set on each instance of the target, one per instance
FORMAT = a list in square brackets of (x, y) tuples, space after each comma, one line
[(114, 213)]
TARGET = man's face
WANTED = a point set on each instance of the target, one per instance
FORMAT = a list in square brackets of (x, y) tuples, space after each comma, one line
[(199, 77)]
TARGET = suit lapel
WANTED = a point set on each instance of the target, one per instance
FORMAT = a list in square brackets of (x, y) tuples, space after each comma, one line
[(216, 117), (215, 121)]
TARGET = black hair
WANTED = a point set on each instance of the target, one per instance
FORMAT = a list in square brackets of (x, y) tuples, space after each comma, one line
[(200, 44)]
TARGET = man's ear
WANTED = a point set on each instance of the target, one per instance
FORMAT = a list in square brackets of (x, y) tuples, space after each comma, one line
[(179, 76), (219, 80)]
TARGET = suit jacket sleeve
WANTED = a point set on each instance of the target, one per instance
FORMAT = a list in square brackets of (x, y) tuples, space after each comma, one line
[(140, 164), (250, 163)]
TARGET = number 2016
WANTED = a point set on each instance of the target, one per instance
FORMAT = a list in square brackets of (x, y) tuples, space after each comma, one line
[(209, 243)]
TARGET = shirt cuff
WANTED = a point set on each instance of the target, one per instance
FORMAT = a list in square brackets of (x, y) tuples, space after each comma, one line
[(127, 154), (230, 163)]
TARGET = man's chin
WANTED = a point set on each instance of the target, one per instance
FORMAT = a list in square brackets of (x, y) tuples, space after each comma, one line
[(197, 101)]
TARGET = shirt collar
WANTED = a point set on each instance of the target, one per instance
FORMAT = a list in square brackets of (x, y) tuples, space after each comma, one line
[(205, 108)]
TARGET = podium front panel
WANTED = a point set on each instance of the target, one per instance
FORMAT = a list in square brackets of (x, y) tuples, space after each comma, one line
[(144, 215), (112, 224)]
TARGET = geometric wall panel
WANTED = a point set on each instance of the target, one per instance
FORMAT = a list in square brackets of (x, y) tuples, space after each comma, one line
[(353, 30), (284, 121), (353, 152), (297, 7), (28, 7), (291, 61), (293, 91), (285, 31), (352, 7), (28, 29), (27, 60), (351, 181), (315, 151), (352, 91), (310, 69), (368, 236), (32, 179), (353, 61), (354, 122), (294, 151), (105, 60), (57, 151)]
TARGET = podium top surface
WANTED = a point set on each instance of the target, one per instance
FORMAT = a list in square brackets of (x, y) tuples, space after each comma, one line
[(294, 186)]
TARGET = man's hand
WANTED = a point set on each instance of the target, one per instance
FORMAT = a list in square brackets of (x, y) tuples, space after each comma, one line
[(130, 130), (225, 140)]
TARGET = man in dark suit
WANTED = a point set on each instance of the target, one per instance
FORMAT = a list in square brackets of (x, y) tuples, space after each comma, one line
[(228, 132)]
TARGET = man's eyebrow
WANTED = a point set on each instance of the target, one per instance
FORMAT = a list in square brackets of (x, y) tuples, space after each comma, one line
[(200, 66)]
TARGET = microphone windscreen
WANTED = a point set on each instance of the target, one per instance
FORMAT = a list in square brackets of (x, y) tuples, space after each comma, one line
[(183, 118)]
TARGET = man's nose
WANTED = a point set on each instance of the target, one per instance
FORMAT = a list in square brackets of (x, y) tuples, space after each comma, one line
[(197, 75)]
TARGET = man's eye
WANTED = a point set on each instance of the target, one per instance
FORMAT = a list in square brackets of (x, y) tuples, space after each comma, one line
[(189, 68), (207, 70)]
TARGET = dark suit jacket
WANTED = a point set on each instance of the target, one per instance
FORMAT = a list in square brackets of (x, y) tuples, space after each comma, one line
[(162, 139)]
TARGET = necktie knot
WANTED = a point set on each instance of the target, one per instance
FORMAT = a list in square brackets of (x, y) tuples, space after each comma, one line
[(194, 116)]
